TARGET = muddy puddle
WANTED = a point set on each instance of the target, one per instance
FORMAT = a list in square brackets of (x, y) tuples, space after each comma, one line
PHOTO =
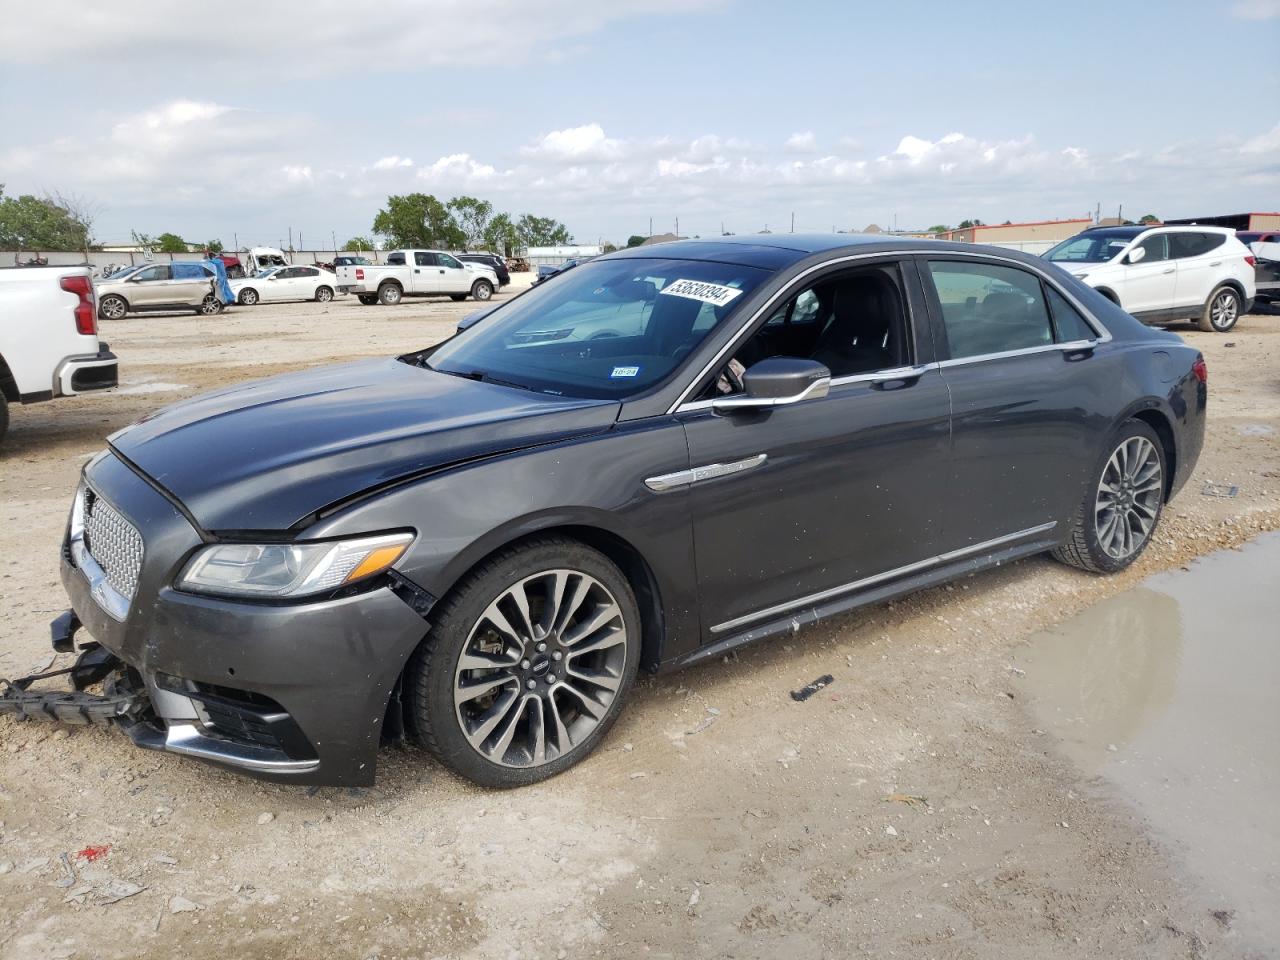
[(1169, 695)]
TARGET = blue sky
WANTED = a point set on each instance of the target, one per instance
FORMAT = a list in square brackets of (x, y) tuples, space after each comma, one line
[(604, 115)]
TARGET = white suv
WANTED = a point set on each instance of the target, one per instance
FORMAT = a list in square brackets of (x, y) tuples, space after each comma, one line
[(1163, 274)]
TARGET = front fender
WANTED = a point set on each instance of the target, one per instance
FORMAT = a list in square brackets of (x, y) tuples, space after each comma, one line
[(466, 513)]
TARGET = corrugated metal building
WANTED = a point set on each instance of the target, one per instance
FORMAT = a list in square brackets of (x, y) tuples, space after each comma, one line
[(1234, 221)]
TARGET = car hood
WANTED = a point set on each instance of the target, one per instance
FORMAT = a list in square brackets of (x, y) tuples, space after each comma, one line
[(1075, 268), (269, 454)]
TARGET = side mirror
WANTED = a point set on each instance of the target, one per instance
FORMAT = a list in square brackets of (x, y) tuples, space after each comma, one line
[(1136, 255), (778, 382)]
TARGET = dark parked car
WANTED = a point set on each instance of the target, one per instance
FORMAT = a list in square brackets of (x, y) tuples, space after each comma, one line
[(499, 265), (481, 542)]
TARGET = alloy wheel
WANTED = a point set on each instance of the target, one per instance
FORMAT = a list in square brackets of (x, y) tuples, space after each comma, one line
[(210, 306), (113, 308), (541, 668), (1128, 500), (1223, 311), (324, 294)]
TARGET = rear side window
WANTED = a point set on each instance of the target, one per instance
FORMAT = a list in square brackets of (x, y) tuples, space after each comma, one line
[(1067, 322), (395, 259), (1183, 245), (990, 309)]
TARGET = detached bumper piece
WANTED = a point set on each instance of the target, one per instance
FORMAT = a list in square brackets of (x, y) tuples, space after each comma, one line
[(120, 701)]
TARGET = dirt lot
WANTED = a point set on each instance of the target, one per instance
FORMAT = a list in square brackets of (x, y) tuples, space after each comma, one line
[(720, 818)]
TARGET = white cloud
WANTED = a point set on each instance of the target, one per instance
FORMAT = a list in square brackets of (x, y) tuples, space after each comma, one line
[(456, 169), (585, 142), (297, 174), (1256, 9), (278, 40), (804, 142), (391, 163)]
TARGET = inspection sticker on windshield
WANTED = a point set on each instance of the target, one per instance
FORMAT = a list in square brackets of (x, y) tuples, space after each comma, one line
[(712, 293), (624, 372)]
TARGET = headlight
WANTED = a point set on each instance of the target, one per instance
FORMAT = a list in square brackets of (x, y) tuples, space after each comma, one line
[(290, 569)]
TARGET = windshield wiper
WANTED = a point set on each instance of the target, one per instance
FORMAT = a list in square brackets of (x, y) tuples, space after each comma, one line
[(480, 376)]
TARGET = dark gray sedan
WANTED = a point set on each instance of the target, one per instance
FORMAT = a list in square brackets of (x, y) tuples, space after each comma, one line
[(479, 544)]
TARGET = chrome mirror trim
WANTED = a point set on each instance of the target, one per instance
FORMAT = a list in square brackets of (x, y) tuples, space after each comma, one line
[(815, 391)]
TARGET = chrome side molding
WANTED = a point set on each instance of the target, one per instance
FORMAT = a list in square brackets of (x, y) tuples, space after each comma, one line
[(711, 471), (893, 574)]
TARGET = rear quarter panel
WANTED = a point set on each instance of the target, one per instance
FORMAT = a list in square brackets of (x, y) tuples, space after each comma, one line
[(38, 326)]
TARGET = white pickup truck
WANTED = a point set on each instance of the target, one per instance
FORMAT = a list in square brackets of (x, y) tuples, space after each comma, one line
[(417, 273), (49, 343)]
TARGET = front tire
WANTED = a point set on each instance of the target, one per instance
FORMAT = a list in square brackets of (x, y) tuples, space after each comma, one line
[(527, 664), (210, 306), (113, 308), (324, 294), (248, 296), (482, 290), (4, 417), (389, 294), (1122, 506), (1221, 311), (457, 297)]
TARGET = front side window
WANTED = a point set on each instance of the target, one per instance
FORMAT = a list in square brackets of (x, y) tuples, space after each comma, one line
[(606, 330), (424, 259), (1157, 247), (988, 308), (159, 271), (854, 322), (448, 261)]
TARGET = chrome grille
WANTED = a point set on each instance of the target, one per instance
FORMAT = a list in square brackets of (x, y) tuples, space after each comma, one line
[(114, 543)]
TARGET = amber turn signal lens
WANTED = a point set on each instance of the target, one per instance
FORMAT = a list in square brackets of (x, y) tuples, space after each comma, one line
[(377, 561)]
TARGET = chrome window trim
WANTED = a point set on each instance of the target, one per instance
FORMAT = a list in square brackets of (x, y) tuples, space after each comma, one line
[(1104, 335), (870, 581), (1022, 352)]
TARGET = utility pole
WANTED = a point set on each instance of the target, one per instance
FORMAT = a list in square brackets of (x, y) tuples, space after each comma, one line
[(334, 237), (677, 228), (651, 227), (793, 221)]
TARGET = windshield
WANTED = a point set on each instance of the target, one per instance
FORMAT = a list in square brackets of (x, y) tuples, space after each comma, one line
[(1096, 246), (124, 272), (263, 274), (606, 330)]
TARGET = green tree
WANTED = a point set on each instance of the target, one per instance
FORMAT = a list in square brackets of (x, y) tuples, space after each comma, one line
[(609, 247), (28, 222), (171, 243), (500, 235), (635, 240), (966, 224), (938, 228), (418, 220), (144, 240), (1149, 218), (473, 217), (357, 244), (542, 231), (214, 247)]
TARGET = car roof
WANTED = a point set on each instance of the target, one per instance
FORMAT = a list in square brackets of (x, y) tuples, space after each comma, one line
[(774, 251)]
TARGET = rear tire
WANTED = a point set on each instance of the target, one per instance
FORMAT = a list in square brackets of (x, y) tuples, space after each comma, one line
[(211, 306), (368, 299), (4, 417), (457, 297), (248, 296), (1221, 311), (389, 294), (1121, 508), (482, 290), (324, 294), (113, 308), (522, 619)]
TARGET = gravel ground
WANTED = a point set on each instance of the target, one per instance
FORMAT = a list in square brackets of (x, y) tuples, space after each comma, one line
[(911, 808)]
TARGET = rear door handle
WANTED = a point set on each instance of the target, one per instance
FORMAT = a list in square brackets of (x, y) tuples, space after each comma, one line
[(1170, 270), (1216, 263)]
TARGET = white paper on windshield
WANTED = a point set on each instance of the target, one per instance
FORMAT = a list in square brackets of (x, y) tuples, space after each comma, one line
[(712, 293)]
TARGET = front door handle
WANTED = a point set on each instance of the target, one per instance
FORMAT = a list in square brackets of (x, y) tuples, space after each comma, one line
[(442, 271), (900, 373), (1216, 263), (416, 270), (1170, 270)]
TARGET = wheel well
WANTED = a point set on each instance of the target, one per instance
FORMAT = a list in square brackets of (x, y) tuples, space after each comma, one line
[(633, 566), (1109, 295), (8, 386), (389, 282), (1157, 422), (244, 290), (1234, 285)]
